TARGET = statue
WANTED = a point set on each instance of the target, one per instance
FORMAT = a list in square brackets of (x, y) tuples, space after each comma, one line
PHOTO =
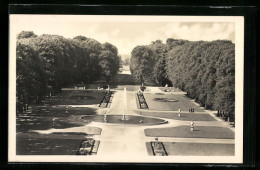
[(192, 126), (105, 118)]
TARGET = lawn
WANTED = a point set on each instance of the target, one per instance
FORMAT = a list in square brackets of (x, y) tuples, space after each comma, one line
[(124, 79), (48, 144), (214, 132), (77, 97), (175, 116), (46, 117), (57, 143), (182, 103), (196, 149), (54, 114), (169, 89)]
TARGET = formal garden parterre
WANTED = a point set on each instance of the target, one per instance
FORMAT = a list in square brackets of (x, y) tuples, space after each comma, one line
[(65, 88)]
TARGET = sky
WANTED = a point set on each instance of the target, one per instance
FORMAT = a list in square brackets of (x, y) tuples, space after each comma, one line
[(126, 32)]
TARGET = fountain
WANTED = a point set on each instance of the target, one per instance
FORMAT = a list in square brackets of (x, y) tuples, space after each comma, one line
[(125, 118)]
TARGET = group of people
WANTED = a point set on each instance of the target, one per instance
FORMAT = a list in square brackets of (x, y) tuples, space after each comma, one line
[(104, 87), (191, 109)]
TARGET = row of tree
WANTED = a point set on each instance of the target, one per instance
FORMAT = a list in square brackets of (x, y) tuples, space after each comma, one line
[(205, 70), (51, 62)]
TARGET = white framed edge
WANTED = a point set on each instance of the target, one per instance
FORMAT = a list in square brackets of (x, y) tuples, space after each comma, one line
[(239, 86)]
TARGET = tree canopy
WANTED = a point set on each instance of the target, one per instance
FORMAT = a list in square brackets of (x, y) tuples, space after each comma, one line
[(26, 34), (205, 70), (54, 61)]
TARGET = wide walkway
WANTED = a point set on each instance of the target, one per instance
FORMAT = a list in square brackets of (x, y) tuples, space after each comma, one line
[(122, 140)]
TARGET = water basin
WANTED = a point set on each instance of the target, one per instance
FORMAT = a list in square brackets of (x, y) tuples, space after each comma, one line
[(128, 119)]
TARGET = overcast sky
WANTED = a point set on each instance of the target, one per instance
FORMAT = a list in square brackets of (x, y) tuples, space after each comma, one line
[(125, 33)]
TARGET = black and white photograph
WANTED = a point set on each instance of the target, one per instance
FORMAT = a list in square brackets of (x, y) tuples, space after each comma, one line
[(126, 88)]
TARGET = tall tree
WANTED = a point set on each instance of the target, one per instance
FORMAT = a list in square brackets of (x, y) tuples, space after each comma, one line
[(159, 68), (206, 71), (30, 74), (109, 61), (141, 63)]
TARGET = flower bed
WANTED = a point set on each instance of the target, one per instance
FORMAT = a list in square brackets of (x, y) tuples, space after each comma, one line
[(106, 99), (86, 147), (158, 149), (141, 99)]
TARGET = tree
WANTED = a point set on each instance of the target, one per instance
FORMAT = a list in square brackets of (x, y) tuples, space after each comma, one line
[(109, 61), (206, 71), (141, 64), (126, 62), (80, 38), (159, 68), (53, 61), (171, 43), (57, 54), (31, 77), (26, 34), (87, 62)]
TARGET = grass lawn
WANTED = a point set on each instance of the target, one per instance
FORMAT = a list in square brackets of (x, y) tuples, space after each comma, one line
[(149, 148), (214, 132), (196, 149), (56, 143), (169, 89), (42, 118), (183, 102), (58, 111), (48, 145), (77, 97), (124, 79), (175, 116)]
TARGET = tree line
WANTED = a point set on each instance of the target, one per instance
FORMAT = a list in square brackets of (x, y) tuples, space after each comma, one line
[(205, 70), (47, 63)]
